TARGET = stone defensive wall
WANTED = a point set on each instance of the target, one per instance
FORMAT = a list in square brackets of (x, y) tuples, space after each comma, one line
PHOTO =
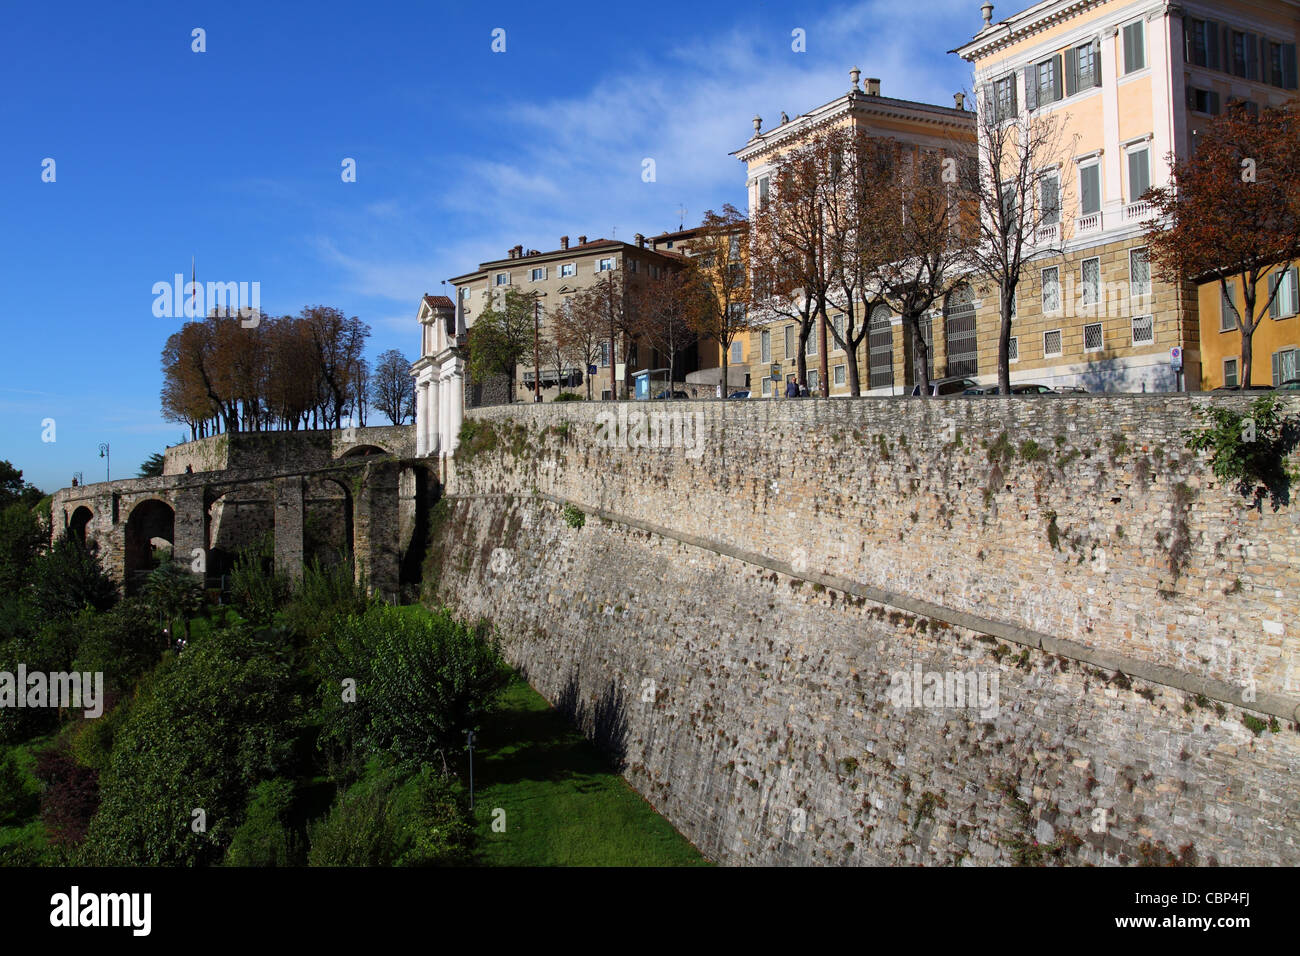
[(285, 450), (896, 631)]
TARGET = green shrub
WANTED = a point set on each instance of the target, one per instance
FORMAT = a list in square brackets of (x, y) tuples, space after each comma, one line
[(256, 589), (124, 644), (265, 837), (204, 728), (569, 397), (574, 516), (385, 820), (421, 682), (21, 538), (1254, 465), (325, 593), (68, 578), (19, 800)]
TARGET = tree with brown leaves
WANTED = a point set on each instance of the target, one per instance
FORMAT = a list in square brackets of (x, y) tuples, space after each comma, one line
[(1232, 213)]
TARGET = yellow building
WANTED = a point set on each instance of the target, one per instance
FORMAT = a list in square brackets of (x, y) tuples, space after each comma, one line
[(883, 359), (1133, 82), (1275, 346)]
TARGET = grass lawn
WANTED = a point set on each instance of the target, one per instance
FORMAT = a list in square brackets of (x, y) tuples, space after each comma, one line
[(564, 805)]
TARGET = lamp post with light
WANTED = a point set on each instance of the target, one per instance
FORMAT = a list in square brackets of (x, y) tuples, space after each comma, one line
[(103, 453)]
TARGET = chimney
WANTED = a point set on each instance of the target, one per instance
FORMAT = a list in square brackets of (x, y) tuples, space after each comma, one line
[(564, 242), (640, 241), (987, 10), (519, 252), (582, 240), (872, 86), (960, 100), (510, 253)]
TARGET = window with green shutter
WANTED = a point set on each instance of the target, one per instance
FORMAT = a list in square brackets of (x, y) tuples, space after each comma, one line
[(1089, 189), (1139, 173), (1285, 366), (1135, 47), (1286, 302)]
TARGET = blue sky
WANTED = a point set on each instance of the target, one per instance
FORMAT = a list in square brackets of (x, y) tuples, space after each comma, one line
[(233, 156)]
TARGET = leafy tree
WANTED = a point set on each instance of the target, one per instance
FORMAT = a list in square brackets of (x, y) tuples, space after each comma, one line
[(152, 466), (1232, 213), (501, 337), (209, 725), (420, 684), (392, 388), (68, 577), (173, 593), (719, 292), (14, 490), (21, 539), (123, 643)]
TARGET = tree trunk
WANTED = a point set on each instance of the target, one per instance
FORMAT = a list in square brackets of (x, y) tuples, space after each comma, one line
[(1004, 344), (920, 356), (823, 360), (851, 358)]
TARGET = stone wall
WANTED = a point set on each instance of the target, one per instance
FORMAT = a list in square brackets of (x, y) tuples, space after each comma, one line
[(286, 450), (734, 612)]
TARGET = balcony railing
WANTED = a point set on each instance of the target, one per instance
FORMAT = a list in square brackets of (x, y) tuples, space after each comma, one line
[(1138, 210), (1089, 223), (1049, 233)]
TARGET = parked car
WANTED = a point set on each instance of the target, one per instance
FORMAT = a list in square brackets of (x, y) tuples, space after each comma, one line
[(742, 393), (1032, 389), (982, 390), (675, 394), (1071, 390), (1290, 385), (1244, 388), (954, 385)]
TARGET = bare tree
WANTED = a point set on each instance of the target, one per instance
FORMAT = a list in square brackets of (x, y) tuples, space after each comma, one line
[(661, 310), (578, 328), (1009, 199), (392, 388)]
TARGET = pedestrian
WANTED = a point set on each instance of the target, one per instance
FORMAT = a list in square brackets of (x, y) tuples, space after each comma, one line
[(792, 389), (803, 390)]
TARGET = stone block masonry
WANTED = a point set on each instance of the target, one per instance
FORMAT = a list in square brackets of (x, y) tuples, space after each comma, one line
[(766, 587)]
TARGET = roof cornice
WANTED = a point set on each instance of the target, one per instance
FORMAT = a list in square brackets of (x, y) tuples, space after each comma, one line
[(1037, 18)]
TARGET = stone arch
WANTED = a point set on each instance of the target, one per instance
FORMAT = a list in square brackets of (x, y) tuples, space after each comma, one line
[(363, 451), (77, 524), (328, 525), (236, 519), (151, 521)]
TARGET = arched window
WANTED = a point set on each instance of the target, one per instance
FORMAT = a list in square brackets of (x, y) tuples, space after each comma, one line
[(880, 348), (959, 331)]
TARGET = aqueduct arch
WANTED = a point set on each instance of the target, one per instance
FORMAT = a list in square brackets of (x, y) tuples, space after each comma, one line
[(81, 517), (150, 521)]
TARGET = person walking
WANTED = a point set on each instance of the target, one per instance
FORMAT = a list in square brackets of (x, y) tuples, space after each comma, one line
[(792, 389)]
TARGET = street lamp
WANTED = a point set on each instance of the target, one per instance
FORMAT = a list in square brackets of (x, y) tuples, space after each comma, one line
[(103, 453)]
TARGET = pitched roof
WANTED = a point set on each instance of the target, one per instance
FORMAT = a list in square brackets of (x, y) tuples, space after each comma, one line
[(436, 301)]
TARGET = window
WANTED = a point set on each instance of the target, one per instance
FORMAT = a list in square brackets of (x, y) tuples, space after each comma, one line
[(1083, 68), (1092, 337), (1144, 330), (880, 348), (605, 265), (1049, 197), (1090, 282), (1004, 98), (839, 374), (810, 347), (503, 278), (1230, 372), (1202, 42), (1139, 273), (737, 353), (1013, 349), (1139, 173), (1243, 54), (766, 347), (1043, 83), (568, 269), (837, 324), (631, 265), (959, 332), (1135, 47), (604, 355), (814, 380), (1227, 310), (1203, 101), (789, 341), (1090, 189), (1285, 366), (1285, 303), (767, 386), (1051, 290), (1052, 343), (1009, 220), (606, 395), (1280, 65), (733, 249), (539, 274)]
